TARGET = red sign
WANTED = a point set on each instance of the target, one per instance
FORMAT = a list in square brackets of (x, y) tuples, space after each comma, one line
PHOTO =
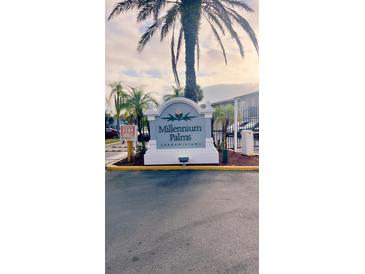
[(128, 132)]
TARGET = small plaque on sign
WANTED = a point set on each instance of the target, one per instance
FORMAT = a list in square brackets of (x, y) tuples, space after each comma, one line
[(128, 132)]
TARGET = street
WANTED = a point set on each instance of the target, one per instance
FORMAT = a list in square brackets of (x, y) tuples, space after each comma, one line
[(182, 222)]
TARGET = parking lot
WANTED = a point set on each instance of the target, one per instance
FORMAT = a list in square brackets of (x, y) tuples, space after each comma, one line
[(181, 222)]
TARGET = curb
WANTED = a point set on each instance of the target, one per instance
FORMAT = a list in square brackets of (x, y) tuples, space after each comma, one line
[(112, 162), (136, 168), (116, 141)]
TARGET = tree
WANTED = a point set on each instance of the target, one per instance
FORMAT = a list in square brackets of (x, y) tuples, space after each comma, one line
[(220, 15), (199, 93), (137, 102), (108, 119), (177, 92), (120, 100), (224, 116)]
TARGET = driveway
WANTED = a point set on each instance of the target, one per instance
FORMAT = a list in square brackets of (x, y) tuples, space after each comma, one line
[(182, 222), (115, 151)]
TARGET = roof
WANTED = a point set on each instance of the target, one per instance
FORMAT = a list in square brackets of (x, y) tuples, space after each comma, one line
[(232, 100)]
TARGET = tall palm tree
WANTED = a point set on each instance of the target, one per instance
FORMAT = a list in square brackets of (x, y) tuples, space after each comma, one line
[(220, 15), (120, 100), (176, 92), (137, 102)]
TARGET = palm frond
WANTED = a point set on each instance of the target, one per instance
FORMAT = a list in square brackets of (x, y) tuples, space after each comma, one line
[(169, 20), (158, 5), (177, 92), (145, 12), (240, 4), (221, 11), (148, 34), (211, 15), (179, 43), (148, 98), (246, 27), (219, 40), (173, 59), (123, 7), (197, 51), (119, 96), (138, 101)]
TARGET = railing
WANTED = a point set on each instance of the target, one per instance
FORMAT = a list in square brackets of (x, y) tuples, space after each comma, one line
[(249, 119), (217, 137)]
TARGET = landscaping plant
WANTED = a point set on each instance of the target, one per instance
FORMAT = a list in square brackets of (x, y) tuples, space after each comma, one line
[(224, 116), (138, 101), (179, 92), (120, 100)]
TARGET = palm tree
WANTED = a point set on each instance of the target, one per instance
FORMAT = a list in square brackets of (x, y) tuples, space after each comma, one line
[(223, 116), (177, 92), (120, 100), (137, 102), (199, 93), (220, 15)]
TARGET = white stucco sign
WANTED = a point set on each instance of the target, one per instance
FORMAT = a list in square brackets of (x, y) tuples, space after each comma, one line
[(180, 128)]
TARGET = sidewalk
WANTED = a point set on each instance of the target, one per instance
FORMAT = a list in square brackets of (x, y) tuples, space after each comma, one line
[(115, 152)]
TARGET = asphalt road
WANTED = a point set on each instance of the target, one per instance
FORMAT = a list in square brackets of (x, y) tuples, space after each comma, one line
[(182, 222)]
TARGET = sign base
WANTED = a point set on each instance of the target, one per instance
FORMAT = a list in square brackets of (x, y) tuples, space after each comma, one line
[(207, 155)]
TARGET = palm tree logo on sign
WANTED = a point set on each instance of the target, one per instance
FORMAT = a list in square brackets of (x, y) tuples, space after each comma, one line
[(179, 116)]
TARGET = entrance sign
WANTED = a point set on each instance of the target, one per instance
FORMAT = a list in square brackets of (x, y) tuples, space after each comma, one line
[(128, 132), (180, 128)]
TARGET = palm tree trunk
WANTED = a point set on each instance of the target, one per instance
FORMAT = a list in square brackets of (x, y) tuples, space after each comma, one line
[(225, 129), (223, 135), (190, 18), (118, 123), (139, 123)]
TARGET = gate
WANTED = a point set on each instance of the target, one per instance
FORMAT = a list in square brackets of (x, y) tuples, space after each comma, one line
[(249, 120)]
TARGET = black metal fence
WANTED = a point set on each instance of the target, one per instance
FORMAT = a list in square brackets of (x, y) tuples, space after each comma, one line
[(249, 120), (217, 136), (251, 116)]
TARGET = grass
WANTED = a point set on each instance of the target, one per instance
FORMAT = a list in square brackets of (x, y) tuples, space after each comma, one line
[(111, 141)]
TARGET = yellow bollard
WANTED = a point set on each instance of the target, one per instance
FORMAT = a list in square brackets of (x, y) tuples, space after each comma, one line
[(130, 150)]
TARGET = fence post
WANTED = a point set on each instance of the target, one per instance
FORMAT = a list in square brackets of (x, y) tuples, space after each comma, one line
[(235, 123)]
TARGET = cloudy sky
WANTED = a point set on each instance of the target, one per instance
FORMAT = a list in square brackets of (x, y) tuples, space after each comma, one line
[(151, 69)]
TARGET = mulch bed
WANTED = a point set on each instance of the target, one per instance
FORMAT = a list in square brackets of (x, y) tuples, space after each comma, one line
[(237, 159), (137, 161), (234, 159)]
